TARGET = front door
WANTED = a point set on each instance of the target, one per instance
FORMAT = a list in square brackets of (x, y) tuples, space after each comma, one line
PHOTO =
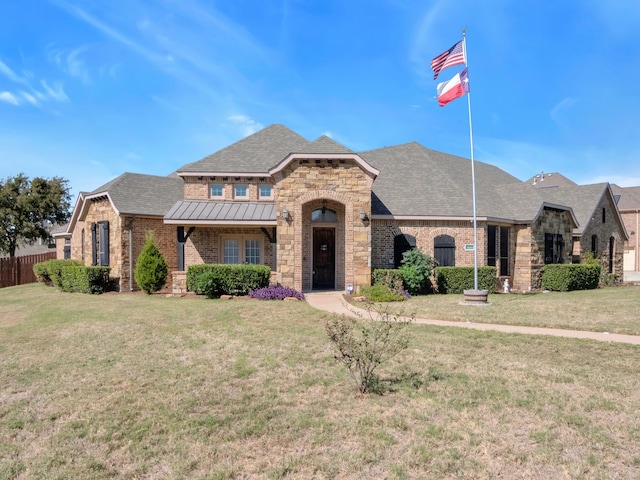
[(324, 258)]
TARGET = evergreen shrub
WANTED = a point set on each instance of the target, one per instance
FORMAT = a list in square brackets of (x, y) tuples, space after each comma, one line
[(459, 279), (213, 280), (151, 269), (565, 277)]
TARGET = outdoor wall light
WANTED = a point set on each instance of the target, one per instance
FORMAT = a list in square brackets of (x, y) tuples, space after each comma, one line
[(285, 214), (363, 215), (349, 289)]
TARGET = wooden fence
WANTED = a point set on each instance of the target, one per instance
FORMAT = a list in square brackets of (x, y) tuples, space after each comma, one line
[(19, 270)]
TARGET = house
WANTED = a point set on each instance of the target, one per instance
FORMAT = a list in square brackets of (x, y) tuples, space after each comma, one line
[(601, 230), (629, 206), (323, 216)]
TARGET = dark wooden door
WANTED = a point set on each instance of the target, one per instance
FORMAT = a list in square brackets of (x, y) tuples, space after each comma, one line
[(324, 258)]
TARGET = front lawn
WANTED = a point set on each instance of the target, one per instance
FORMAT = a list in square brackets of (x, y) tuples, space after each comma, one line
[(614, 310), (134, 386)]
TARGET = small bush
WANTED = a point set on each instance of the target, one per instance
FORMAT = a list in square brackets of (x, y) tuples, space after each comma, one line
[(276, 292), (568, 277), (392, 278), (416, 271), (364, 343), (223, 279), (151, 267), (382, 293), (459, 279)]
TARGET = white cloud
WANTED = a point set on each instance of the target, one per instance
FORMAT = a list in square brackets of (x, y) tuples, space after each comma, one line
[(29, 98), (8, 97), (55, 92), (10, 74), (247, 125)]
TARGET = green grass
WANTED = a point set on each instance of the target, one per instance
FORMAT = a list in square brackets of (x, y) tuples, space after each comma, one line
[(135, 386), (614, 310)]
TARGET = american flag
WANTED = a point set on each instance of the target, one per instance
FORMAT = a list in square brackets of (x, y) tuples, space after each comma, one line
[(448, 58)]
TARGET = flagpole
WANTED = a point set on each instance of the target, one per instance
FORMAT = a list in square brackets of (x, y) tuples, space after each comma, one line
[(473, 172)]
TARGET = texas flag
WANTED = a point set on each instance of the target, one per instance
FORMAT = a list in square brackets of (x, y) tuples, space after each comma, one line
[(454, 88)]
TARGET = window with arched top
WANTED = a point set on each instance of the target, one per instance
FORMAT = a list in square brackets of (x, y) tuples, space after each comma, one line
[(401, 244), (324, 215), (444, 247)]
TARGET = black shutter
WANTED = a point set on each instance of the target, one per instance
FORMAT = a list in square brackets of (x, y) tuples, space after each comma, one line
[(491, 245), (548, 248), (504, 251)]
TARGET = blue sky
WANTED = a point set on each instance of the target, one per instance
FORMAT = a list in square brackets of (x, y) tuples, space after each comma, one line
[(90, 89)]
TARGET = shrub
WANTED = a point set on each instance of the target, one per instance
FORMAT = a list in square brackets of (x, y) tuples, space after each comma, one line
[(93, 280), (151, 267), (50, 271), (416, 271), (568, 277), (382, 293), (392, 278), (223, 279), (364, 343), (275, 292), (459, 279)]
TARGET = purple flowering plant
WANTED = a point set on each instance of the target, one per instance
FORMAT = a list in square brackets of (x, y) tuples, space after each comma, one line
[(275, 292)]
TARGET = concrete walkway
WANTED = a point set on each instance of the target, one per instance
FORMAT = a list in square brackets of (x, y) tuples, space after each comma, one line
[(334, 302)]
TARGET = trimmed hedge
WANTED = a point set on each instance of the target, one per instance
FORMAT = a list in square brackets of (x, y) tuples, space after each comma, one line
[(213, 280), (71, 276), (50, 271), (459, 279), (565, 277), (93, 280)]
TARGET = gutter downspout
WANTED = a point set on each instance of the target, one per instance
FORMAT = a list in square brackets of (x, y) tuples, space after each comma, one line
[(131, 254)]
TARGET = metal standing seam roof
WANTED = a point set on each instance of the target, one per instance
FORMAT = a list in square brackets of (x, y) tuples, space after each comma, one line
[(222, 213)]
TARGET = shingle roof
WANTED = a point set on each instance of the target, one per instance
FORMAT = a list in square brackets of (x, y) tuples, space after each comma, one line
[(256, 153), (205, 211), (629, 197), (551, 179), (416, 181), (324, 144), (584, 199), (135, 193)]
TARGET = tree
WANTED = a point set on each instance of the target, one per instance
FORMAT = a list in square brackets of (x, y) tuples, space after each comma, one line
[(151, 267), (29, 207)]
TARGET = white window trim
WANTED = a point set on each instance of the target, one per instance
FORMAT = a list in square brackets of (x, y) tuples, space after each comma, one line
[(235, 194), (241, 247), (265, 197), (216, 185)]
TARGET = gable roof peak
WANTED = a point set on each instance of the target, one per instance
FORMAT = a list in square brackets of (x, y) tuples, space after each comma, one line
[(325, 144)]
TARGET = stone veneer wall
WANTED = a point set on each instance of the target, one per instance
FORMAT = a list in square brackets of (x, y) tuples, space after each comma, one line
[(300, 187), (530, 247), (198, 188), (604, 230), (99, 210)]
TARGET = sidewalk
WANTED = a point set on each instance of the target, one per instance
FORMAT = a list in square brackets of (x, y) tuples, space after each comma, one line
[(334, 302)]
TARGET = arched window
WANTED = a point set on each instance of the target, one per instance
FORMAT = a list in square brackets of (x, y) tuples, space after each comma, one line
[(444, 247), (594, 245), (401, 244), (325, 215)]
